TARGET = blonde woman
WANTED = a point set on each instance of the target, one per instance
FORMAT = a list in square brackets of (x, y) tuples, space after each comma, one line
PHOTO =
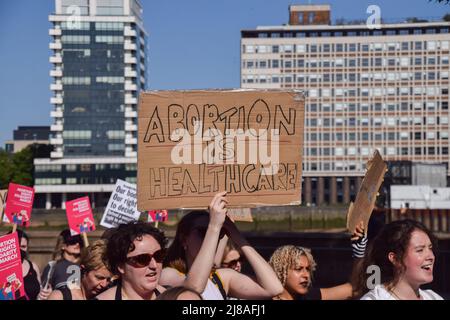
[(95, 277), (295, 266)]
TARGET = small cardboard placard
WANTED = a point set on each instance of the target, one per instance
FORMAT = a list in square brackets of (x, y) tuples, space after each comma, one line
[(240, 214), (79, 216), (158, 216), (122, 205), (367, 194), (19, 204), (11, 279), (194, 144)]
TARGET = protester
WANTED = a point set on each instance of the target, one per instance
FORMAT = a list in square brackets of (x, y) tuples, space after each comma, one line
[(30, 270), (179, 293), (231, 257), (95, 276), (66, 258), (402, 255), (196, 240), (295, 267), (134, 253)]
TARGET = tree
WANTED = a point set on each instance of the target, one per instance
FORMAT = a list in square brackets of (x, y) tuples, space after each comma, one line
[(446, 17), (6, 169)]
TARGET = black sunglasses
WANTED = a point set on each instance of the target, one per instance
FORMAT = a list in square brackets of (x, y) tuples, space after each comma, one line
[(143, 260), (232, 263), (74, 241)]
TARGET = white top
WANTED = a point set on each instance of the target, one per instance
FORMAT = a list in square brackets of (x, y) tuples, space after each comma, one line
[(211, 292), (380, 293)]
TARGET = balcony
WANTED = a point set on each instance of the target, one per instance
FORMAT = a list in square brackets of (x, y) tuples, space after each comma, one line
[(55, 32), (130, 87), (56, 73), (130, 73), (129, 59), (56, 59), (128, 32), (56, 141), (56, 100), (56, 154), (130, 154), (56, 86), (56, 113), (129, 46), (56, 127), (56, 46), (129, 126), (129, 113), (130, 140), (131, 100)]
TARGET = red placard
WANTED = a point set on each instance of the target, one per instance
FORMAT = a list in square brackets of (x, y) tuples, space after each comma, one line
[(79, 216), (158, 215), (11, 279), (19, 204)]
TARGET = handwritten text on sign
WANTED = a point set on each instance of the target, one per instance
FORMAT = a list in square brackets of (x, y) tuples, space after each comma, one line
[(194, 144)]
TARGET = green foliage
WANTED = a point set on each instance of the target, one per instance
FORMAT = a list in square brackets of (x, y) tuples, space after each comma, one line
[(18, 167)]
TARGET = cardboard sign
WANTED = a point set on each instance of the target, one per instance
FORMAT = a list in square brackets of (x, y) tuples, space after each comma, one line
[(243, 214), (367, 194), (19, 204), (194, 144), (122, 205), (3, 194), (11, 279), (158, 215), (79, 216)]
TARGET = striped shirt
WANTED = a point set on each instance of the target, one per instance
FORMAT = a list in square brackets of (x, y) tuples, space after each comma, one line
[(380, 293)]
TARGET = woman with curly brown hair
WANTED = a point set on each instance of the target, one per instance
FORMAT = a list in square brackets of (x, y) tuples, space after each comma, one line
[(402, 257)]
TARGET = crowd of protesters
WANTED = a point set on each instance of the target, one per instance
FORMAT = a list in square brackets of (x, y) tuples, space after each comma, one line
[(204, 262)]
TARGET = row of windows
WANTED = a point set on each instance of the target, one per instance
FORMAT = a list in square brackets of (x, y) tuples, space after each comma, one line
[(365, 107), (366, 136), (75, 25), (76, 80), (377, 92), (110, 79), (109, 25), (115, 134), (347, 77), (85, 167), (75, 39), (77, 134), (376, 121), (344, 33), (109, 39), (365, 151), (346, 47), (344, 62)]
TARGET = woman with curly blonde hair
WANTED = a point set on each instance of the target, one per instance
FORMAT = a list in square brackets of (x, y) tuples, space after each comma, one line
[(295, 266)]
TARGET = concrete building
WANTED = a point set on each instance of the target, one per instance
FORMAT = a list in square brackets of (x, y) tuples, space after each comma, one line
[(419, 197), (23, 136), (383, 88), (99, 68)]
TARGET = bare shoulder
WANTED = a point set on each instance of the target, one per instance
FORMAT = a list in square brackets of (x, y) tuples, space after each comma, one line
[(56, 295), (109, 294), (171, 277)]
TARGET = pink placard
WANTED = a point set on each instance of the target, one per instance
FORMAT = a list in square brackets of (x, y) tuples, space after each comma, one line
[(11, 279), (79, 216), (19, 204), (158, 215)]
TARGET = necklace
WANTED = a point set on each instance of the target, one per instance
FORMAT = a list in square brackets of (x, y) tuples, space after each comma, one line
[(398, 298)]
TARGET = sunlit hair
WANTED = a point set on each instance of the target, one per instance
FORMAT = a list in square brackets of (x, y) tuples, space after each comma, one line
[(230, 247), (92, 257), (288, 257), (393, 237)]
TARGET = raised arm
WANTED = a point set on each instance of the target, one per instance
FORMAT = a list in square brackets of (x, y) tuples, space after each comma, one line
[(241, 286), (220, 251)]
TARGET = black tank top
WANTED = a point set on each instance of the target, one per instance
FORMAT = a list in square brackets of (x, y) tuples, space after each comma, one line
[(31, 283), (119, 291)]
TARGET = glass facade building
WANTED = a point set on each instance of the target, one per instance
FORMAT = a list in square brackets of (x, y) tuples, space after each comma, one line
[(99, 68)]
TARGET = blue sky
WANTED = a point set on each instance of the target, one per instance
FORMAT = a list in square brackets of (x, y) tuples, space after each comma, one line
[(192, 44)]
